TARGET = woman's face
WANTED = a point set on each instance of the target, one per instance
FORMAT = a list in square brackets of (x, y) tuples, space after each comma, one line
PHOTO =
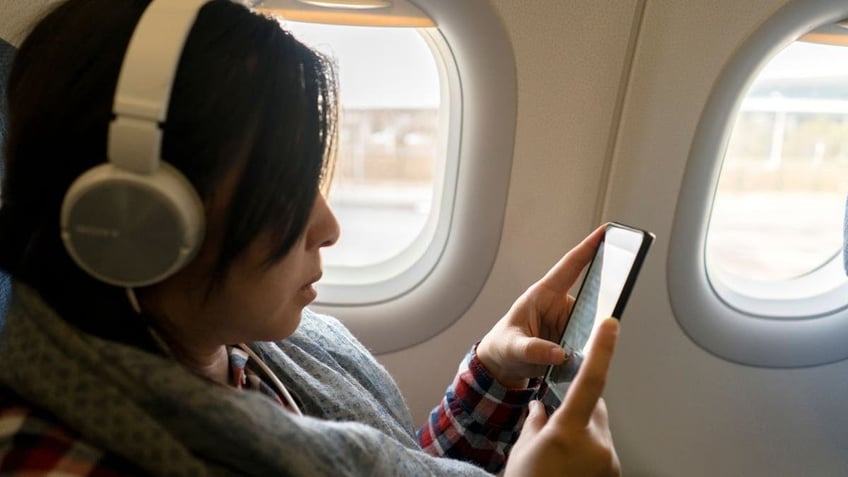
[(255, 301), (258, 301)]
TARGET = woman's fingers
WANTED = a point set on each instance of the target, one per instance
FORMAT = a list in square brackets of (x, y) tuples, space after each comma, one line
[(584, 393), (562, 275)]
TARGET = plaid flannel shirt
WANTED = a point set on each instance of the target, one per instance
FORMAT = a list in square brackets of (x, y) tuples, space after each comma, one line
[(477, 421)]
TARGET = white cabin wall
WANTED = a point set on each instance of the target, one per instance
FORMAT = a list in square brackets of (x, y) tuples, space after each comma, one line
[(677, 410), (18, 16), (570, 58)]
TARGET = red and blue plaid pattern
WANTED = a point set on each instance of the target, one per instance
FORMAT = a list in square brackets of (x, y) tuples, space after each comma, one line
[(35, 443), (478, 420), (244, 378)]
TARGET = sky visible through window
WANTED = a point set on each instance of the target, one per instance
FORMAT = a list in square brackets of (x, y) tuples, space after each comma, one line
[(378, 67), (802, 59)]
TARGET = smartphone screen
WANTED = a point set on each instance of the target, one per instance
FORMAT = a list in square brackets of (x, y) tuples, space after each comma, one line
[(603, 293)]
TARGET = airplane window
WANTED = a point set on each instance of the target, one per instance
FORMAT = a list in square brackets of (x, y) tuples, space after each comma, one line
[(390, 151), (424, 88), (777, 214), (755, 272)]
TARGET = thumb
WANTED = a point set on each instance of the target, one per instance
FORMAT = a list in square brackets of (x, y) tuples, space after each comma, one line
[(534, 350), (536, 419)]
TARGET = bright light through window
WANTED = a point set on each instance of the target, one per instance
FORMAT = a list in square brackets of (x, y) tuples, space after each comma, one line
[(389, 140), (780, 200)]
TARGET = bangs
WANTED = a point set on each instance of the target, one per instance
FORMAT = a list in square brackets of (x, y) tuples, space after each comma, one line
[(292, 152)]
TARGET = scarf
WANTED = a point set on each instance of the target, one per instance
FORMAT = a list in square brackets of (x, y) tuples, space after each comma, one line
[(168, 421)]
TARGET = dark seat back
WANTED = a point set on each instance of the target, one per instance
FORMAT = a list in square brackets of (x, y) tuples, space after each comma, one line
[(7, 52)]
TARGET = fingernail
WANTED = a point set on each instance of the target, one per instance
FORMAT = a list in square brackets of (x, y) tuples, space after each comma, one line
[(557, 355), (615, 323), (534, 407)]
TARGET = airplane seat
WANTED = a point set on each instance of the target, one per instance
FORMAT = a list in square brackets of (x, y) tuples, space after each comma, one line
[(7, 51)]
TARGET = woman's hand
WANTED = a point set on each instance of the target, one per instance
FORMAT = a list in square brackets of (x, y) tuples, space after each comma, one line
[(524, 341), (576, 439)]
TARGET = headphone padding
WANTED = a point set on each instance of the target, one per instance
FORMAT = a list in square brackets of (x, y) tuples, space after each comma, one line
[(131, 229)]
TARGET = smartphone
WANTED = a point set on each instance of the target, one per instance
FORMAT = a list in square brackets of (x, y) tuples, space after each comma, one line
[(603, 293)]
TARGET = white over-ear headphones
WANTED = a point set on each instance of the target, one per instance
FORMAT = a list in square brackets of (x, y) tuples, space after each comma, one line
[(136, 220)]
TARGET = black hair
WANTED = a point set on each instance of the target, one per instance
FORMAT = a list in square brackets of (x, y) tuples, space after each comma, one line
[(248, 99)]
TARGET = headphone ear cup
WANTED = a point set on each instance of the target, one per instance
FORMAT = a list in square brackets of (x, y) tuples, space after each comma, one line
[(130, 229)]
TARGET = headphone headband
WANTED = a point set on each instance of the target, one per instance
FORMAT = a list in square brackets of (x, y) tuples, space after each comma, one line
[(137, 220), (144, 85)]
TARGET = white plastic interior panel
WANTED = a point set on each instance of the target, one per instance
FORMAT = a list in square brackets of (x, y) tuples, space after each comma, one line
[(772, 333), (17, 17), (571, 59), (675, 408), (351, 12)]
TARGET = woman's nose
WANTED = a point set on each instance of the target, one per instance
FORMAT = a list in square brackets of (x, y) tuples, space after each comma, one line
[(324, 228)]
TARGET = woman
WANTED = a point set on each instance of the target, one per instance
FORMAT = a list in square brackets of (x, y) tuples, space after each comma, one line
[(220, 368)]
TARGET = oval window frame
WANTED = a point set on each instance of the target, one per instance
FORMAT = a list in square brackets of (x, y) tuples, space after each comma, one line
[(389, 278), (753, 331), (445, 282)]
